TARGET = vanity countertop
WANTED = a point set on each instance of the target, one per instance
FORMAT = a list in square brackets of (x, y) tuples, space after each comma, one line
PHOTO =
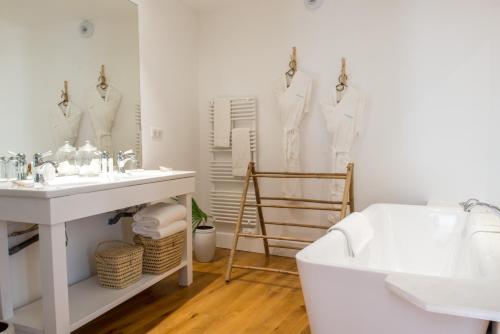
[(72, 185), (478, 299)]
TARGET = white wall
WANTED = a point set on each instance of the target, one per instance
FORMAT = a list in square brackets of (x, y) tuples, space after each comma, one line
[(168, 58), (429, 71)]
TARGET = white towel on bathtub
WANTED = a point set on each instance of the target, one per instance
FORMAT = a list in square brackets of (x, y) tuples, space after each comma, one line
[(357, 230), (482, 223)]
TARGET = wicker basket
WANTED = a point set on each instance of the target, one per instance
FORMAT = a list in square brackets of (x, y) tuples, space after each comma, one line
[(163, 254), (119, 264)]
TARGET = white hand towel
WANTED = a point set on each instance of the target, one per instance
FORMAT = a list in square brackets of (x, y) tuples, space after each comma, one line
[(482, 223), (241, 154), (159, 233), (160, 214), (357, 230), (222, 122)]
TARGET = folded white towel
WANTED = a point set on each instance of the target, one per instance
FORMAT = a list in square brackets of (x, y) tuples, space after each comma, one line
[(160, 214), (241, 154), (481, 223), (222, 122), (159, 233), (357, 230)]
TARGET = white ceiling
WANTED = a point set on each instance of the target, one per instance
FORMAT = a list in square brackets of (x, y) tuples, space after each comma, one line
[(207, 5)]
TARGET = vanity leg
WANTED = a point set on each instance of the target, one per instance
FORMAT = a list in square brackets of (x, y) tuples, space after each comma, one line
[(54, 277), (186, 273), (6, 307)]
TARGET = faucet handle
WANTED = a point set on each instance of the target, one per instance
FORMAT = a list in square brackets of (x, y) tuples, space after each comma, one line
[(467, 204)]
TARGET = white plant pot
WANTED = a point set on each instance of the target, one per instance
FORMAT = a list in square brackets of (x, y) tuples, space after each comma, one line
[(6, 328), (204, 243)]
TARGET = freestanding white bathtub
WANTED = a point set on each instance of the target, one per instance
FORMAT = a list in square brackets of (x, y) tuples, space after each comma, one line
[(345, 295)]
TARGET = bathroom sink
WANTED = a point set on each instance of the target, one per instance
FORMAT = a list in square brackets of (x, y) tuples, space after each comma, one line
[(70, 181), (140, 173)]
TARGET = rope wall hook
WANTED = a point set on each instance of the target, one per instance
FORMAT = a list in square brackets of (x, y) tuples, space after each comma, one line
[(342, 77), (102, 82), (292, 64), (64, 95)]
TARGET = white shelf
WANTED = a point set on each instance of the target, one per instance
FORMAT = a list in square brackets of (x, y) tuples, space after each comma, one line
[(468, 298), (87, 301)]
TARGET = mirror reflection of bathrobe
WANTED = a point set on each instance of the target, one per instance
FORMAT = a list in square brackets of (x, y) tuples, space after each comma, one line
[(343, 121), (293, 102), (102, 111), (65, 122)]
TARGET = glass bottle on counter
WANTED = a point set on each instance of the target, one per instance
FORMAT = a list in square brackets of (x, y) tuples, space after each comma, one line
[(66, 158), (3, 168), (88, 160)]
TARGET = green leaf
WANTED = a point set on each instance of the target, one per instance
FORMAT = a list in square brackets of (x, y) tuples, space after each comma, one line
[(199, 217)]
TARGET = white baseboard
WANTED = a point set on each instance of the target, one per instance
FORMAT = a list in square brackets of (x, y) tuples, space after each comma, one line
[(225, 240)]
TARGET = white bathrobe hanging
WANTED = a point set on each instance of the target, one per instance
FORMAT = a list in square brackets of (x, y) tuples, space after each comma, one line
[(343, 121), (293, 102), (65, 122), (102, 111)]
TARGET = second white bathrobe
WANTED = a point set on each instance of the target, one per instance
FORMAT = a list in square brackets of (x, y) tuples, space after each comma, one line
[(293, 102), (65, 123), (102, 112), (343, 121)]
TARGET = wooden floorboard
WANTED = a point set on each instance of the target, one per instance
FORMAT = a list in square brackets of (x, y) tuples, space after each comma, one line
[(253, 302)]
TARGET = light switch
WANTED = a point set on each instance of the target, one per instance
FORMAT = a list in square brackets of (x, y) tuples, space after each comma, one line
[(156, 133)]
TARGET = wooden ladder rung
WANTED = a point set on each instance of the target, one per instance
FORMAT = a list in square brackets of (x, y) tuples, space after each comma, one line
[(260, 236), (274, 270), (291, 207), (287, 247), (297, 225), (307, 200), (300, 176)]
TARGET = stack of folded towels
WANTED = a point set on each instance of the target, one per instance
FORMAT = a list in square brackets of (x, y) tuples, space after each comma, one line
[(160, 220)]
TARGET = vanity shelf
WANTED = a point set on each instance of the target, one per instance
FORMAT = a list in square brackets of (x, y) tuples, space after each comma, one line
[(61, 308), (87, 301)]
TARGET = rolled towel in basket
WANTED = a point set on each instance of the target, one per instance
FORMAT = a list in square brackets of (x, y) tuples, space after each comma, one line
[(159, 233), (160, 214)]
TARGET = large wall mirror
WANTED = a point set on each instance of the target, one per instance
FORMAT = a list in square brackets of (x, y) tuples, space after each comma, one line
[(86, 48)]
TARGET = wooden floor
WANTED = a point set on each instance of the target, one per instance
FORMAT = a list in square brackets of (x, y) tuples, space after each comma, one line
[(253, 302)]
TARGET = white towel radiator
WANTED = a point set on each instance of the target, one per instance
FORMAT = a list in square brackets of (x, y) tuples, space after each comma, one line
[(225, 194)]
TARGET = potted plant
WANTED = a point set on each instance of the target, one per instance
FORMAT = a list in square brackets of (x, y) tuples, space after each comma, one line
[(204, 237), (6, 328)]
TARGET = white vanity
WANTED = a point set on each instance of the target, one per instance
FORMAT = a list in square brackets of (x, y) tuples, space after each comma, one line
[(64, 308)]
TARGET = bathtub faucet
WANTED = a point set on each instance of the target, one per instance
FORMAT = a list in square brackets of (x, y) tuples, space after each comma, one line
[(473, 202)]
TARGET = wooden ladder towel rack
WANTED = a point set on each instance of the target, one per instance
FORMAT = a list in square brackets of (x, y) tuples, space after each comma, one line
[(347, 202)]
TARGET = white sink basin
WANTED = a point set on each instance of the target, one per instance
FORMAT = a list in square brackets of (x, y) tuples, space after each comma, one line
[(69, 181), (140, 173)]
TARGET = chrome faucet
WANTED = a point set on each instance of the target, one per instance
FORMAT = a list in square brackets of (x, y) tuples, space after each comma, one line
[(123, 157), (38, 162), (473, 202)]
